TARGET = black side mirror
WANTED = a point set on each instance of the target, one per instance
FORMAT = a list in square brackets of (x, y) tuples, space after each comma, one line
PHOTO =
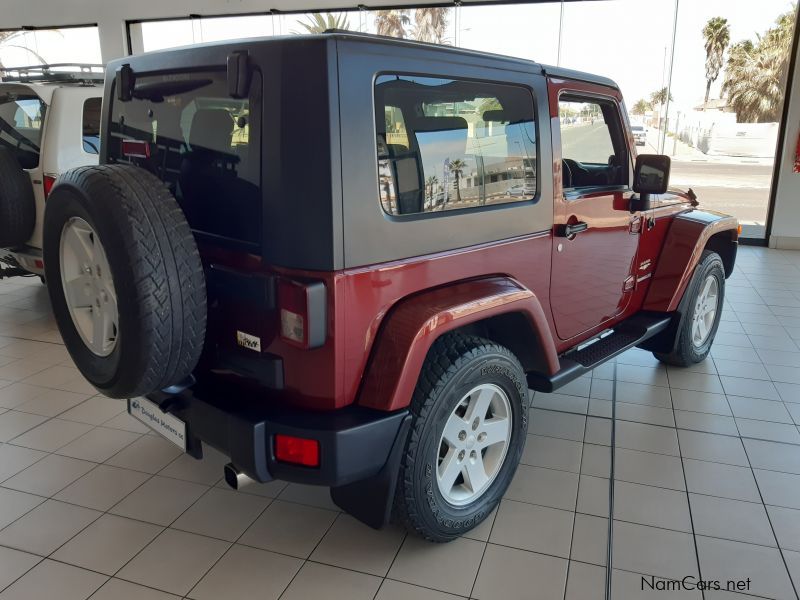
[(651, 175)]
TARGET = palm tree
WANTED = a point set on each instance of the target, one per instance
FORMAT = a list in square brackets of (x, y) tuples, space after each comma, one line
[(641, 107), (430, 24), (717, 34), (755, 74), (7, 36), (659, 97), (392, 22), (317, 23), (457, 167), (430, 184)]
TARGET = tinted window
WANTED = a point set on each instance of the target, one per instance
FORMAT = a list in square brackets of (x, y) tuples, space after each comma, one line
[(592, 144), (446, 144), (21, 121), (187, 130), (91, 125)]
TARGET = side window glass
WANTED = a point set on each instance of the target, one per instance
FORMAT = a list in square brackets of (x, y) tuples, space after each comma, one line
[(592, 149), (446, 144), (21, 121), (91, 125)]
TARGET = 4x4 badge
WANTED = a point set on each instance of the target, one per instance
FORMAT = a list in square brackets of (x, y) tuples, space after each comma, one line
[(251, 342)]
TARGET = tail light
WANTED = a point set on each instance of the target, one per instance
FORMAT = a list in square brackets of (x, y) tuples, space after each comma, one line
[(297, 450), (48, 181), (302, 312), (135, 149)]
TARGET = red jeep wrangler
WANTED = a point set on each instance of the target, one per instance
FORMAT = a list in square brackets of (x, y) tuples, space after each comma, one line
[(343, 260)]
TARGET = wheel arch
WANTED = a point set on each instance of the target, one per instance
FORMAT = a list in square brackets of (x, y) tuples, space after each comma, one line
[(689, 235), (496, 308)]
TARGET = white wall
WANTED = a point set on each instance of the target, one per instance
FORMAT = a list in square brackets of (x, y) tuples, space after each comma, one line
[(111, 15), (786, 218)]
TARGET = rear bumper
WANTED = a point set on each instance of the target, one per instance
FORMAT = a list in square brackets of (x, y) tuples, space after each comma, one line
[(355, 442)]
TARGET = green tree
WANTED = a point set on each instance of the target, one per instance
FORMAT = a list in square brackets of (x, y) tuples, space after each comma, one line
[(717, 35), (641, 107), (457, 167), (755, 74), (430, 184), (430, 24), (392, 22), (318, 23)]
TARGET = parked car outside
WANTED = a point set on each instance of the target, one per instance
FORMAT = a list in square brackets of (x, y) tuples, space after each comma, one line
[(639, 134), (49, 123)]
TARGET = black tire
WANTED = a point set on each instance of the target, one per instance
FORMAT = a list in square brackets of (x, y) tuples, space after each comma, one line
[(156, 272), (455, 364), (17, 203), (685, 352)]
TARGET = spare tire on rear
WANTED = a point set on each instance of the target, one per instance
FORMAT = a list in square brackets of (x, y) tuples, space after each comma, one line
[(125, 279), (17, 204)]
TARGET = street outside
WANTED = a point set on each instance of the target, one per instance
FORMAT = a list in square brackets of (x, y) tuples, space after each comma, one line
[(734, 185)]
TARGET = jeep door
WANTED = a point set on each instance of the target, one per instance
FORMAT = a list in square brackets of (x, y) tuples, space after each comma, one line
[(595, 236)]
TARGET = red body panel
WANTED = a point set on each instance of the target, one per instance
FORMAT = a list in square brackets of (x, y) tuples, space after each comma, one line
[(382, 319), (418, 321), (681, 253)]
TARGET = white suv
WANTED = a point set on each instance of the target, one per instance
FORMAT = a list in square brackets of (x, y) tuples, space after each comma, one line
[(49, 123)]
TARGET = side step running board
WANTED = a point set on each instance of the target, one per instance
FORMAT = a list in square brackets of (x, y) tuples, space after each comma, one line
[(575, 363)]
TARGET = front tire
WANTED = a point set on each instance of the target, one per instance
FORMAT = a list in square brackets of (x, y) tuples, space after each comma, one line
[(468, 432), (705, 295)]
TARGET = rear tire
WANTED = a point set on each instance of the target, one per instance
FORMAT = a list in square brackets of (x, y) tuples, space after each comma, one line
[(17, 202), (695, 335), (457, 371), (125, 218)]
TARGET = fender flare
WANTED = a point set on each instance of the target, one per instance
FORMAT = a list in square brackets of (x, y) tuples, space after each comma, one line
[(416, 322), (689, 234)]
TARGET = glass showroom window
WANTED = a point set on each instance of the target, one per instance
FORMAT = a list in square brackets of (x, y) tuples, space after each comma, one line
[(34, 47)]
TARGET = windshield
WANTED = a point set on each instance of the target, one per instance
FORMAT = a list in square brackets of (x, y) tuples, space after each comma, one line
[(637, 128), (21, 120)]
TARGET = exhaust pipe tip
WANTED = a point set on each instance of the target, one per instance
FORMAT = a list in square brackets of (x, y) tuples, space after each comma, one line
[(235, 478)]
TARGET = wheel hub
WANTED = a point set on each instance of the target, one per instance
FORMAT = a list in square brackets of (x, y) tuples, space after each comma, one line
[(705, 311), (88, 288), (474, 443)]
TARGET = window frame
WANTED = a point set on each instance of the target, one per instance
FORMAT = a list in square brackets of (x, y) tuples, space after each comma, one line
[(573, 193), (528, 89)]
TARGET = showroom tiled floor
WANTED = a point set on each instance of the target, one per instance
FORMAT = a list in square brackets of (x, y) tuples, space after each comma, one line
[(707, 481)]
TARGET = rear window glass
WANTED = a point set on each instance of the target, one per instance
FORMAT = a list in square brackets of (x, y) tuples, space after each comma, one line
[(91, 125), (187, 130), (21, 121), (446, 144)]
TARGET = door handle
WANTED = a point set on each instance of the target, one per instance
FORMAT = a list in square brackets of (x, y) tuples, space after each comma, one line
[(571, 229)]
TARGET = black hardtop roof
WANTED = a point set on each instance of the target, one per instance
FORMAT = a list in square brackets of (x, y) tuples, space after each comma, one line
[(371, 39)]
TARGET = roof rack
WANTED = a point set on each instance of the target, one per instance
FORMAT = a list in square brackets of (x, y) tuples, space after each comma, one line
[(55, 73)]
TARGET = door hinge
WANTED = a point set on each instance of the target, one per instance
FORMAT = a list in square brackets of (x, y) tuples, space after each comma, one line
[(629, 283)]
